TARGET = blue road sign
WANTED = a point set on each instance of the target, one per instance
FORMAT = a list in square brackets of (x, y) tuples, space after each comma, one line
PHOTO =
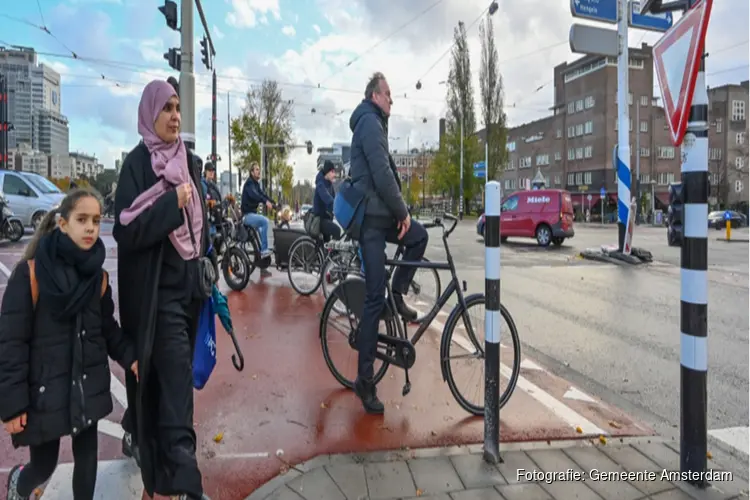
[(602, 192), (479, 174), (479, 165), (652, 22), (596, 10), (727, 215)]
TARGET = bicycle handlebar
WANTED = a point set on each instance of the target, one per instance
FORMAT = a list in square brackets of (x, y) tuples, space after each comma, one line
[(439, 223)]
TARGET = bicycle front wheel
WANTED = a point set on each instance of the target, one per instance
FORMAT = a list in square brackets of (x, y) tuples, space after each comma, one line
[(462, 355), (338, 267), (305, 266)]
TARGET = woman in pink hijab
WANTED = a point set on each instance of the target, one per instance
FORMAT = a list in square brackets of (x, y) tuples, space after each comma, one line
[(160, 234)]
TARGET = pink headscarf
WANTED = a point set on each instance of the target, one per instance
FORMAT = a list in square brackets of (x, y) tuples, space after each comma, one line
[(170, 164)]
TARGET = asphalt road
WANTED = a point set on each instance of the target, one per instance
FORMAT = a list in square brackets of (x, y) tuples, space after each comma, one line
[(615, 330)]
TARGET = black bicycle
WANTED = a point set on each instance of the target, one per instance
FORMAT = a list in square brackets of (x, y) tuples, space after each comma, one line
[(395, 348), (234, 261)]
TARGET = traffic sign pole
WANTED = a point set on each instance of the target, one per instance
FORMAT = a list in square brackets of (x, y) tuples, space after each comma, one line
[(694, 287), (623, 128)]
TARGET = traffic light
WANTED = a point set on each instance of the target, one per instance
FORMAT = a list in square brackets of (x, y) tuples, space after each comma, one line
[(174, 58), (676, 217), (309, 147), (204, 53), (169, 9)]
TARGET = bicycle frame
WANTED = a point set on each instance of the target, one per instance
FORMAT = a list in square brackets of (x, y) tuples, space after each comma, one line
[(453, 287)]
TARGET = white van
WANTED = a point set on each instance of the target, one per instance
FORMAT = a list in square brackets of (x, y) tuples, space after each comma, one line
[(29, 195)]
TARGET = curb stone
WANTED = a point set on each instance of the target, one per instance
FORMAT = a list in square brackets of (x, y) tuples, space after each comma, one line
[(655, 451)]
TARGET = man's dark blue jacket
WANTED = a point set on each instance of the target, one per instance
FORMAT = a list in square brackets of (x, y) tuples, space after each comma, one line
[(252, 196), (323, 200), (371, 167)]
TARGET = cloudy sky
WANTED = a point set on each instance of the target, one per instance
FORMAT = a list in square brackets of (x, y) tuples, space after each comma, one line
[(321, 52)]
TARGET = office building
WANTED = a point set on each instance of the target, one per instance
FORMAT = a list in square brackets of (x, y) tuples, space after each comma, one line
[(728, 145), (52, 132), (224, 183), (120, 161), (33, 87)]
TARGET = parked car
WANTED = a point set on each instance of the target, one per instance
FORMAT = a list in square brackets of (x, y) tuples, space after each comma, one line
[(304, 209), (545, 214), (716, 219), (29, 195)]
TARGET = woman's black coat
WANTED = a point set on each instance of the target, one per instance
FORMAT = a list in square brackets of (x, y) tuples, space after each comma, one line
[(37, 359), (140, 251)]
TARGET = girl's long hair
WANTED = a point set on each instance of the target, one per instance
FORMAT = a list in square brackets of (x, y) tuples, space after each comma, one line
[(49, 221)]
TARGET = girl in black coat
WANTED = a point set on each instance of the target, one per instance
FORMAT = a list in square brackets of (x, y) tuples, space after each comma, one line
[(54, 367)]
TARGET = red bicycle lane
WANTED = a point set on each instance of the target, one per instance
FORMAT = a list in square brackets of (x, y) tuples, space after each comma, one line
[(286, 407)]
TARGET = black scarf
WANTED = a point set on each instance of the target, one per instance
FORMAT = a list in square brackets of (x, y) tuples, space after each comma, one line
[(68, 277)]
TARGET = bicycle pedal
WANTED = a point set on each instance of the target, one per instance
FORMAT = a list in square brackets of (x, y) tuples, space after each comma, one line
[(407, 389)]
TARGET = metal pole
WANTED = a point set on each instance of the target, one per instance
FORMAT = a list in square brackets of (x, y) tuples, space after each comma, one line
[(623, 130), (694, 289), (638, 161), (486, 162), (213, 117), (492, 320), (3, 122), (262, 168), (461, 174), (229, 145), (187, 78)]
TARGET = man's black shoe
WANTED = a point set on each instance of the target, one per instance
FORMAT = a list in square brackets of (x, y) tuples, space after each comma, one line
[(405, 311), (365, 390)]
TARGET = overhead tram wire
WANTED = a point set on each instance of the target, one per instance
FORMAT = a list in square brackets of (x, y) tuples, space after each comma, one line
[(378, 43), (144, 68), (453, 44)]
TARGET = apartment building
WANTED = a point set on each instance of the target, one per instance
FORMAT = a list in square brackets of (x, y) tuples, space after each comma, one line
[(728, 145), (574, 147), (85, 165)]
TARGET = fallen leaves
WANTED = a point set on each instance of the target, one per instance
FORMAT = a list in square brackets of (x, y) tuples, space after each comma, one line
[(602, 439), (219, 437), (614, 424), (579, 430)]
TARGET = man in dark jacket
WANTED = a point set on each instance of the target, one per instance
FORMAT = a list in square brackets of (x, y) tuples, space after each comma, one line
[(323, 201), (252, 196), (386, 220)]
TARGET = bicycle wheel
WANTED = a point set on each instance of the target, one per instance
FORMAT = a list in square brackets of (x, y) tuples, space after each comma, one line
[(235, 266), (455, 335), (337, 268), (345, 326), (424, 292), (305, 266)]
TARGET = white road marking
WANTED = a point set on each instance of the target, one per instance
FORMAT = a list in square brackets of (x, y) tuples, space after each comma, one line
[(5, 470), (118, 391), (576, 394), (530, 365), (110, 428), (262, 454), (736, 437), (5, 270), (561, 410)]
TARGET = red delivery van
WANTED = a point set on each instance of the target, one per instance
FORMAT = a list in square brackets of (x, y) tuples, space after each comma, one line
[(544, 214)]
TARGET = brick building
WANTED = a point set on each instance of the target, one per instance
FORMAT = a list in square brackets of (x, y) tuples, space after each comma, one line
[(728, 145), (573, 147)]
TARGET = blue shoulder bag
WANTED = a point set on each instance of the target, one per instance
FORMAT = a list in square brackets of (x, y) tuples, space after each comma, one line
[(349, 208)]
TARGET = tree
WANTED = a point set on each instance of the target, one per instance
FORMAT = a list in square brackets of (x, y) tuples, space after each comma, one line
[(413, 190), (285, 180), (460, 101), (266, 119), (491, 91), (103, 182), (303, 192)]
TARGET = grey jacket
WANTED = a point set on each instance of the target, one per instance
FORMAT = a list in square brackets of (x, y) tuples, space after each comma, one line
[(371, 168)]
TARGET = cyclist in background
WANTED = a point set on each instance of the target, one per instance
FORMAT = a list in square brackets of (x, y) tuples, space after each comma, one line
[(252, 196), (323, 202)]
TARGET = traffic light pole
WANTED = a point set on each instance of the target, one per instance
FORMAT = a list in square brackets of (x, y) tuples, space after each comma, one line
[(187, 78), (213, 117), (694, 289)]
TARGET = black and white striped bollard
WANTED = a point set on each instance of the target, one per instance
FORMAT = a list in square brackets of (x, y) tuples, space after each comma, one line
[(492, 203), (694, 290)]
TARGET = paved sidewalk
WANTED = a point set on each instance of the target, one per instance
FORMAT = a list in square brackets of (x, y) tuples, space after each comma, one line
[(459, 473)]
